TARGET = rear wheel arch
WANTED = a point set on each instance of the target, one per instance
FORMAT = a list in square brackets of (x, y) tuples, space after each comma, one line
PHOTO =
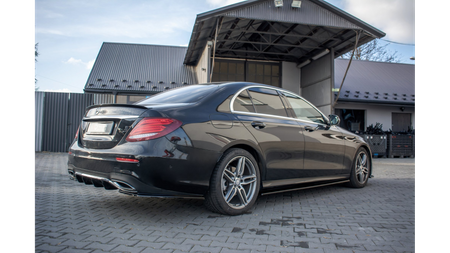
[(234, 184), (254, 152)]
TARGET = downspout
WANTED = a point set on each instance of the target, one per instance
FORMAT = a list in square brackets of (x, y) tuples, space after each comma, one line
[(358, 34)]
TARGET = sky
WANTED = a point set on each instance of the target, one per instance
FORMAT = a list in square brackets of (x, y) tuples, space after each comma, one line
[(71, 32)]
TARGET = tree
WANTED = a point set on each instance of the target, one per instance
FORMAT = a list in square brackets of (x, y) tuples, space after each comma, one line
[(373, 51), (34, 55)]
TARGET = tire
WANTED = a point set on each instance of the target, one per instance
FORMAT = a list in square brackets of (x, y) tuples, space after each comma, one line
[(360, 172), (234, 184)]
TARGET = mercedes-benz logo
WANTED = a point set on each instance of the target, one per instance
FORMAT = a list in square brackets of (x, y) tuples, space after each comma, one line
[(98, 110)]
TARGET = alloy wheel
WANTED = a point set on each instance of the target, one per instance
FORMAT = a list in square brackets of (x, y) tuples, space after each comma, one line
[(362, 170), (239, 182)]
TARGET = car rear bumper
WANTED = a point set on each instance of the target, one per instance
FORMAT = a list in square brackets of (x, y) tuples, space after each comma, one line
[(157, 168), (124, 183)]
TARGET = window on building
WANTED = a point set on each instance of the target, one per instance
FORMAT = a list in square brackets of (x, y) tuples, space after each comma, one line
[(266, 73), (258, 72), (228, 71)]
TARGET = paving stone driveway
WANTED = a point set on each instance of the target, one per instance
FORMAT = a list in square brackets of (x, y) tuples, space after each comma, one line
[(73, 217)]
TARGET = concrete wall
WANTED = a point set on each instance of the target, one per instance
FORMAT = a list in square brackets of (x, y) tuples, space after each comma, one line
[(202, 70), (316, 82), (290, 77)]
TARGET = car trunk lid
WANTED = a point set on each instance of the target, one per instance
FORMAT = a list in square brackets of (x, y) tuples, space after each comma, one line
[(104, 126)]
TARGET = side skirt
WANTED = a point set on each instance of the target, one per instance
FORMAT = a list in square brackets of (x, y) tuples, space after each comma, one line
[(306, 187)]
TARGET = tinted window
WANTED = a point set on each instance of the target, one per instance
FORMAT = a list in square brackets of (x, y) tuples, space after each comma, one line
[(303, 110), (267, 101), (243, 103), (188, 94)]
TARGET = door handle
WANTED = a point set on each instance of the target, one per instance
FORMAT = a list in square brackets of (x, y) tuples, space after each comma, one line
[(310, 129), (258, 125)]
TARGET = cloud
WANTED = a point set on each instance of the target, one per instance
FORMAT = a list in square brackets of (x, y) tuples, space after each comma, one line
[(49, 31), (57, 90), (222, 2), (88, 65), (394, 17)]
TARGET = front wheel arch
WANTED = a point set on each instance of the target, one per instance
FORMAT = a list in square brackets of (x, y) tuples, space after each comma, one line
[(370, 158), (361, 169)]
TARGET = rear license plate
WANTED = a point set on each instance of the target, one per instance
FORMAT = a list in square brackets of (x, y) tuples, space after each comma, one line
[(100, 127)]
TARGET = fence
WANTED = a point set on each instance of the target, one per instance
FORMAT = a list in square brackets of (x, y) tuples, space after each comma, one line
[(57, 116)]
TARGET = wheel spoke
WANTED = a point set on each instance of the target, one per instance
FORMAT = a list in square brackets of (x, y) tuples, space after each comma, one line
[(240, 167), (242, 196), (228, 175), (365, 170), (359, 161), (363, 160), (248, 179), (230, 194), (358, 170)]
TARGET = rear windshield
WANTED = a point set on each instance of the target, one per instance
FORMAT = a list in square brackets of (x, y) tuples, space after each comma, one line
[(188, 94)]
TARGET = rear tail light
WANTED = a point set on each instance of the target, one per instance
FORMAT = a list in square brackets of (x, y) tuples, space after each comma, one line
[(152, 128), (129, 160)]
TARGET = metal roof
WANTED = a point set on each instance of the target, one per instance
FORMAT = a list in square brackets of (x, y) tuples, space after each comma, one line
[(139, 68), (376, 82), (256, 29)]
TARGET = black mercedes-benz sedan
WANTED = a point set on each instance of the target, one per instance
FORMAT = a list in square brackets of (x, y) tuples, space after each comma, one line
[(225, 142)]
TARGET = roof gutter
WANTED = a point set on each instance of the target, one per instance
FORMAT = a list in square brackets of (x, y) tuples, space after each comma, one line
[(376, 102)]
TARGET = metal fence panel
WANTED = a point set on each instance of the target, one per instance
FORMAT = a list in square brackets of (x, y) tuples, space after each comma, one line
[(55, 121), (58, 115), (77, 106), (38, 117)]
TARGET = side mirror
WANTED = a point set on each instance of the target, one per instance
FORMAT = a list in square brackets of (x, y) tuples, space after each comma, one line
[(334, 119)]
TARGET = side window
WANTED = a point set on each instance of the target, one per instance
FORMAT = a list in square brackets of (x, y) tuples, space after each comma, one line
[(243, 103), (303, 110), (267, 101)]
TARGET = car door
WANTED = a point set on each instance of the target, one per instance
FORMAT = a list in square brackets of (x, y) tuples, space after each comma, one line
[(262, 112), (324, 143)]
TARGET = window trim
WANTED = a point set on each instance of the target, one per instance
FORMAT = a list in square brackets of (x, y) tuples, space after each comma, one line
[(275, 116)]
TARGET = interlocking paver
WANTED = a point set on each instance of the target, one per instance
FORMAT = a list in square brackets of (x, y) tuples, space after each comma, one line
[(73, 217)]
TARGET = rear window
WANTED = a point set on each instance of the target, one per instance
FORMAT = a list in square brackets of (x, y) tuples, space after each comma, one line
[(188, 94)]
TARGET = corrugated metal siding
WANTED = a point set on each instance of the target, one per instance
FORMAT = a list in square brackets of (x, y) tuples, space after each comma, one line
[(77, 107), (55, 121), (57, 117), (38, 119), (103, 99), (137, 64), (309, 13)]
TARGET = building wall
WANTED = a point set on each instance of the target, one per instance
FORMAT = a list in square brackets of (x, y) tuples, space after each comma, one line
[(203, 68), (290, 77), (379, 113), (316, 82)]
